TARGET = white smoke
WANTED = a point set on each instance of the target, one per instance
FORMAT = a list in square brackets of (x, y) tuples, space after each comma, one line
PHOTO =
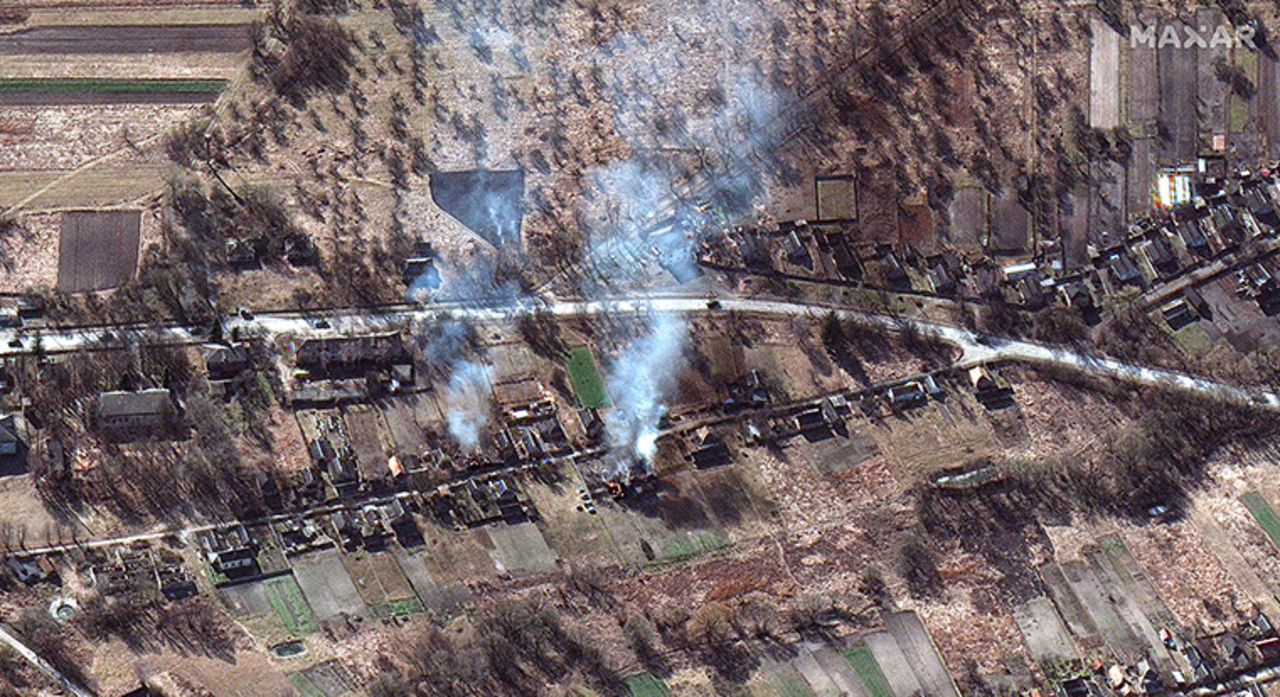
[(640, 380), (468, 403)]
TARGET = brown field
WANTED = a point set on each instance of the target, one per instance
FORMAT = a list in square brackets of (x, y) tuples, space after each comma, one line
[(97, 249), (98, 187), (190, 38)]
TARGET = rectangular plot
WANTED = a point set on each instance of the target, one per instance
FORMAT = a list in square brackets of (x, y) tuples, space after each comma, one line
[(894, 664), (1144, 85), (1141, 176), (1104, 75), (1096, 600), (1268, 102), (1073, 222), (1077, 620), (246, 599), (868, 670), (97, 249), (909, 632), (1264, 515), (1011, 225), (519, 550), (814, 674), (1135, 579), (1212, 92), (840, 672), (1129, 608), (1107, 210), (647, 685), (1177, 69), (967, 218), (326, 585), (588, 385), (286, 599), (1043, 631)]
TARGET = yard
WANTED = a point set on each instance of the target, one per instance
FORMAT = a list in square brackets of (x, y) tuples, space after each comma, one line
[(587, 381)]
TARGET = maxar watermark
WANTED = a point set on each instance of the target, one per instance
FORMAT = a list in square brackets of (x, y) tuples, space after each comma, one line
[(1180, 35)]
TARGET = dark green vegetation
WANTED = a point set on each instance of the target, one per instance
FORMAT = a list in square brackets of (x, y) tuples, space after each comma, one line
[(111, 86)]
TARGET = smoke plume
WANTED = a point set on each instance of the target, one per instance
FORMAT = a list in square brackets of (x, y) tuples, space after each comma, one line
[(640, 381)]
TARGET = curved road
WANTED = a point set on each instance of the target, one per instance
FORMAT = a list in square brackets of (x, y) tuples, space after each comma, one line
[(977, 348)]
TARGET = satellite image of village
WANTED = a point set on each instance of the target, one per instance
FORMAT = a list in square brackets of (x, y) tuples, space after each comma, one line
[(639, 348)]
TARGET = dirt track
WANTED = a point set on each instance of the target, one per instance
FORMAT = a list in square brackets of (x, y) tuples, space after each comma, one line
[(191, 38)]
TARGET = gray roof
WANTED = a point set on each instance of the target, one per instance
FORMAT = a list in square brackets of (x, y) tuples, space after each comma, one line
[(8, 430), (153, 402)]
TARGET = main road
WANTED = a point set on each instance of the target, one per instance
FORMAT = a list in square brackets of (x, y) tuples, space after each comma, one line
[(977, 348)]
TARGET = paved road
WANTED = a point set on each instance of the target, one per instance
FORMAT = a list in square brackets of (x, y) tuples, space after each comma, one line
[(977, 348)]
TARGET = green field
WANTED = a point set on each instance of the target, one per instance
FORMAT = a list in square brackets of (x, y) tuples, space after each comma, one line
[(791, 686), (864, 664), (399, 608), (647, 685), (586, 379), (1261, 512), (287, 600), (75, 85), (689, 545), (304, 686)]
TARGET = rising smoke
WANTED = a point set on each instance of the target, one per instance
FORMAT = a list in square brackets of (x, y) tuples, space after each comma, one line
[(689, 168), (445, 346), (468, 400), (640, 381)]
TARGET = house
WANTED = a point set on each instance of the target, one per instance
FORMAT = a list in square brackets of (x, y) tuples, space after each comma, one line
[(908, 396), (797, 251), (1162, 256), (13, 448), (352, 355), (991, 391), (941, 280), (1123, 269), (9, 440), (151, 408), (231, 552), (1178, 314), (224, 362)]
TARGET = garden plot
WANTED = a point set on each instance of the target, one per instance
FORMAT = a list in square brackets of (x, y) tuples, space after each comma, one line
[(1104, 75), (246, 599), (869, 673), (646, 685), (97, 249), (893, 662), (568, 528), (286, 599), (820, 679), (410, 420), (458, 556), (1264, 515), (918, 649), (666, 524), (967, 217), (1043, 632), (326, 585), (443, 602), (138, 39), (519, 550), (775, 679), (381, 584), (1095, 598), (328, 679), (1144, 85), (1107, 199), (1177, 77)]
